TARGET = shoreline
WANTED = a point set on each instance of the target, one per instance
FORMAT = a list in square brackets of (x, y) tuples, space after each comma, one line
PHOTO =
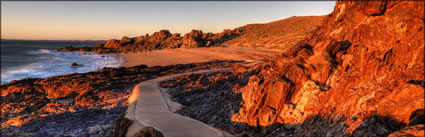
[(98, 94), (101, 61), (166, 57), (72, 95)]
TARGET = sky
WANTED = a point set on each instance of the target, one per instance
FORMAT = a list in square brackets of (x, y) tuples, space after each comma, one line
[(102, 20)]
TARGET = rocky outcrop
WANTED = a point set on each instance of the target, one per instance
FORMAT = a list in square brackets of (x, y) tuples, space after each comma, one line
[(192, 39), (160, 40), (280, 34), (365, 61)]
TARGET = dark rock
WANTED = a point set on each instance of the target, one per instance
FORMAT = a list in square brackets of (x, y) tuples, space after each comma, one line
[(76, 65), (121, 125), (148, 132), (417, 117)]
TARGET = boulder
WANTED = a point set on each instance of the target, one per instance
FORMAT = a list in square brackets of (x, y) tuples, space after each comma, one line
[(148, 132), (94, 129), (76, 65), (192, 39), (121, 125)]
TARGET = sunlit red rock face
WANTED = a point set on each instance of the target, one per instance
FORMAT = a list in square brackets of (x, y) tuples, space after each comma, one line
[(366, 61)]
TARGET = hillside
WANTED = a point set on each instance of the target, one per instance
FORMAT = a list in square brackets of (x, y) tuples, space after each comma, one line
[(279, 34)]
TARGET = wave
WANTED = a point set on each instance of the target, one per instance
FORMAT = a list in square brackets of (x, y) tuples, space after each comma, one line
[(59, 63), (44, 50), (40, 51)]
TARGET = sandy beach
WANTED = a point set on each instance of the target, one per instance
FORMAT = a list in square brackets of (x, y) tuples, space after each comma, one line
[(194, 55)]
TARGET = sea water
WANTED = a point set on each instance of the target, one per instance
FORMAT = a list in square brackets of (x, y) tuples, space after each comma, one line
[(38, 59)]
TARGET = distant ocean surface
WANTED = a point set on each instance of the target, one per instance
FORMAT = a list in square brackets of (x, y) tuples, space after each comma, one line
[(38, 59)]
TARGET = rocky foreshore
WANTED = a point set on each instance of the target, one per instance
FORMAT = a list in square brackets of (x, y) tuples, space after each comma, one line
[(78, 104), (214, 98)]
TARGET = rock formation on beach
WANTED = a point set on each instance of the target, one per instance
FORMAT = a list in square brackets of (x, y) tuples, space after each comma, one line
[(160, 40), (280, 34), (365, 63)]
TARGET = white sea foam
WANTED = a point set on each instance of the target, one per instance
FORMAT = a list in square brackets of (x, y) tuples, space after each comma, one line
[(44, 50), (59, 63), (40, 51)]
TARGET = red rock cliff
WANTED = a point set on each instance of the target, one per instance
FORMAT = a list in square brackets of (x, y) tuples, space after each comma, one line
[(366, 60)]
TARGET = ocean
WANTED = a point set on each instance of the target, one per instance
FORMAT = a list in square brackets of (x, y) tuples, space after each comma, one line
[(38, 59)]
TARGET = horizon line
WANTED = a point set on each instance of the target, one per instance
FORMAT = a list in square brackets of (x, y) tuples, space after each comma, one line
[(148, 33)]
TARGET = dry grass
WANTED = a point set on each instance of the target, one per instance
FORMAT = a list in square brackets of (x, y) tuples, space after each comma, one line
[(280, 34)]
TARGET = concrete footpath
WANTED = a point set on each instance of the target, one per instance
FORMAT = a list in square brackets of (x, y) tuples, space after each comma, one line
[(148, 106)]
